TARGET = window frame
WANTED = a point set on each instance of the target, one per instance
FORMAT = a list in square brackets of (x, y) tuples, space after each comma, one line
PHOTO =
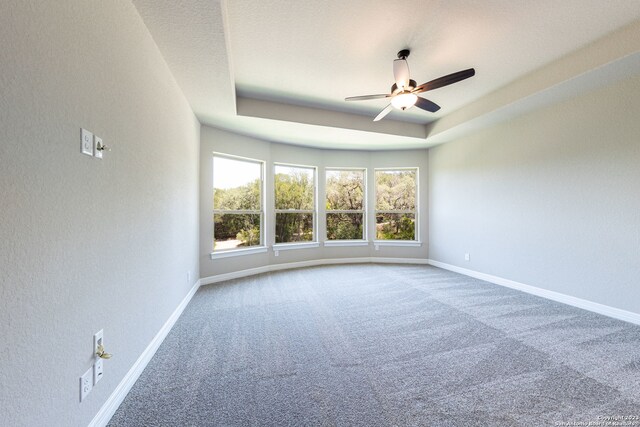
[(225, 253), (365, 233), (313, 243), (416, 232)]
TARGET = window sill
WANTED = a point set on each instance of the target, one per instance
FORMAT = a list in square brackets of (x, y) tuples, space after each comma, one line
[(410, 243), (346, 243), (290, 246), (238, 252)]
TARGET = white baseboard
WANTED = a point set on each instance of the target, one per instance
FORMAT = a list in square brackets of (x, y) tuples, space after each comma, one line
[(311, 263), (595, 307), (113, 402)]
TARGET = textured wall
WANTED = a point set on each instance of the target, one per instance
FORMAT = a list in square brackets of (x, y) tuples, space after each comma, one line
[(230, 143), (87, 244), (549, 199)]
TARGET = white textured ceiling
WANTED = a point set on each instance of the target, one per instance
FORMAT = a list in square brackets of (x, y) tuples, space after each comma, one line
[(247, 66)]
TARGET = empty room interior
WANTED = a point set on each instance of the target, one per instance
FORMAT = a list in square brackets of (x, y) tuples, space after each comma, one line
[(305, 213)]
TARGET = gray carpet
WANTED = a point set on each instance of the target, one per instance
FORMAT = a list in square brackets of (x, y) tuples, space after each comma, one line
[(384, 345)]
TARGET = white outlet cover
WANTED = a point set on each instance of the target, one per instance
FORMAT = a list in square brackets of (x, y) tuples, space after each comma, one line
[(97, 142), (86, 384), (86, 142), (98, 338), (98, 370)]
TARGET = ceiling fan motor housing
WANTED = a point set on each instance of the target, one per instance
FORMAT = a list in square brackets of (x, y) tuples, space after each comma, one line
[(404, 54), (412, 85)]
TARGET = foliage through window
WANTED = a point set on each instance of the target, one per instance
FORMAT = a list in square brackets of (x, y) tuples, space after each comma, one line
[(237, 203), (295, 194), (345, 192), (396, 194)]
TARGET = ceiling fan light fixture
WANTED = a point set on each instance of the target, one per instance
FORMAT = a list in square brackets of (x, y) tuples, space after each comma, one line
[(404, 91), (404, 100)]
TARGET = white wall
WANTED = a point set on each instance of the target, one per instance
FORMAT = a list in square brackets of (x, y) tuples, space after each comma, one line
[(549, 199), (87, 244), (215, 140)]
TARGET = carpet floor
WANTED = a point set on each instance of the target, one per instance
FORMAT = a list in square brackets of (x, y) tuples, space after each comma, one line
[(385, 345)]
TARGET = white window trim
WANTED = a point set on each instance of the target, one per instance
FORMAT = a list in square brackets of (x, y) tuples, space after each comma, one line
[(346, 242), (314, 213), (365, 227), (414, 243), (226, 253), (416, 232), (238, 252), (294, 245)]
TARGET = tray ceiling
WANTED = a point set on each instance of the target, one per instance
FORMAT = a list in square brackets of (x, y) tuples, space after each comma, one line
[(280, 70)]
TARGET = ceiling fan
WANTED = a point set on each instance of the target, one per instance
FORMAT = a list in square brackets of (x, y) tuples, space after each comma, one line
[(404, 90)]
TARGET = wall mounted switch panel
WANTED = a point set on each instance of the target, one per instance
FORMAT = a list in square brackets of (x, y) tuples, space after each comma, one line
[(86, 142)]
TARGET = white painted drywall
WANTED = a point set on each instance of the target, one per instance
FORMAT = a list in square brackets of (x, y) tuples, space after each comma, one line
[(216, 140), (87, 244), (549, 199)]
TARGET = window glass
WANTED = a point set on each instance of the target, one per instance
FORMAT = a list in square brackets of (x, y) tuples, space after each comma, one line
[(345, 195), (294, 227), (396, 194), (294, 203), (345, 226), (237, 203)]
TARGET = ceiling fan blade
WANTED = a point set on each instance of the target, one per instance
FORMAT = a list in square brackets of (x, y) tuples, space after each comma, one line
[(427, 105), (445, 80), (401, 72), (383, 113), (366, 97)]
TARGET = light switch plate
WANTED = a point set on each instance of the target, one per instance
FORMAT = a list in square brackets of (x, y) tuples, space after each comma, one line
[(98, 365), (97, 142), (98, 339), (86, 142)]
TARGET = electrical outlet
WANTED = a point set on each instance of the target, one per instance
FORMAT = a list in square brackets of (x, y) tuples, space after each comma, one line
[(467, 257), (86, 384), (98, 370), (86, 142)]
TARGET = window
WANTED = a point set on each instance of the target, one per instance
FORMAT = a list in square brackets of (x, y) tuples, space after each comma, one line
[(237, 203), (345, 194), (396, 196), (295, 203)]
